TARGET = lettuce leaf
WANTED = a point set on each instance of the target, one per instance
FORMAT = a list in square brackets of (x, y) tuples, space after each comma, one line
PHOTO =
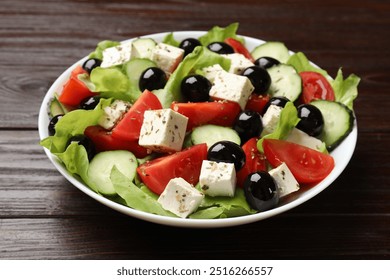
[(287, 121), (345, 90), (73, 123), (201, 57), (98, 52), (111, 83), (170, 40), (223, 207), (134, 196), (219, 34), (300, 62)]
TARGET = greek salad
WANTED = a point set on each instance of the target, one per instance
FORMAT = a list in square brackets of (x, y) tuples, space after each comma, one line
[(201, 128)]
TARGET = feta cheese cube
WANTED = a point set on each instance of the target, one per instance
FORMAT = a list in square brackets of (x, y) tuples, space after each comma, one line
[(116, 55), (270, 119), (217, 178), (232, 87), (297, 136), (180, 197), (284, 179), (167, 57), (211, 71), (238, 62), (113, 113), (163, 130)]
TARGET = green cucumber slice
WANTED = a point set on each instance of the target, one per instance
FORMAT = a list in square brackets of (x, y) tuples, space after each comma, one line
[(338, 122), (285, 81), (211, 134), (275, 50), (99, 171)]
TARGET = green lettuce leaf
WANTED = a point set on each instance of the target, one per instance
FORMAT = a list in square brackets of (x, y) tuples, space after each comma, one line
[(300, 62), (223, 207), (345, 90), (73, 123), (201, 57), (287, 121), (98, 52), (219, 34), (76, 161), (111, 83), (170, 40), (134, 196)]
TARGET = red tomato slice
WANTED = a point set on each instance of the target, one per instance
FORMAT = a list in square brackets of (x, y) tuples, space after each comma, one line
[(104, 141), (74, 90), (238, 47), (254, 161), (218, 112), (128, 129), (315, 86), (257, 102), (156, 174), (307, 165)]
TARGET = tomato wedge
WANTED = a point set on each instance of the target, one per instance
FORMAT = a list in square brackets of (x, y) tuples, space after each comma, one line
[(315, 86), (257, 102), (307, 165), (254, 161), (156, 173), (218, 112), (128, 129), (104, 141), (74, 90), (238, 47)]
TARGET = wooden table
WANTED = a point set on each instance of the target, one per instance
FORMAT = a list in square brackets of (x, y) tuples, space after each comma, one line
[(42, 216)]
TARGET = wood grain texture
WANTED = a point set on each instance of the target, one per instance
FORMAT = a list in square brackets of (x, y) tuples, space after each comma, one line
[(42, 216)]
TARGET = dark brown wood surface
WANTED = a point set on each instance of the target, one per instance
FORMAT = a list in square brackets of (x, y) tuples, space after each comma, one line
[(42, 216)]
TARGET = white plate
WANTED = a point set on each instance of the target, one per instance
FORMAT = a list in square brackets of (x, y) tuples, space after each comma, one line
[(342, 154)]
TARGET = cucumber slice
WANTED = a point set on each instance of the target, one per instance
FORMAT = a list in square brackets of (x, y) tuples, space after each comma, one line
[(275, 50), (142, 48), (211, 134), (133, 70), (56, 108), (101, 165), (338, 122), (285, 81)]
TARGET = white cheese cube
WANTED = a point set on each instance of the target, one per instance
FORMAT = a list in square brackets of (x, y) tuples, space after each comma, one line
[(238, 62), (167, 57), (217, 178), (180, 197), (270, 119), (113, 113), (163, 130), (284, 179), (211, 71), (297, 136), (116, 55), (232, 87)]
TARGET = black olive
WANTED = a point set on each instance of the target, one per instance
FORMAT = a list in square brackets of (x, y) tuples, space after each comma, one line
[(312, 121), (90, 64), (261, 191), (266, 62), (259, 78), (280, 101), (89, 103), (152, 78), (52, 124), (248, 124), (227, 151), (195, 88), (188, 45), (220, 48), (83, 140)]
